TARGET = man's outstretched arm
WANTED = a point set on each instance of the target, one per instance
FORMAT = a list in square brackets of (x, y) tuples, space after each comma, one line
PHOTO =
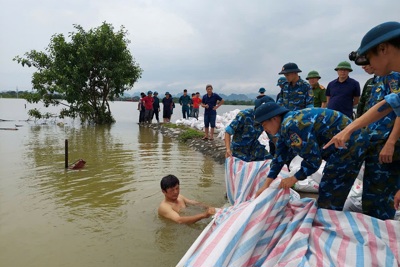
[(372, 115), (167, 212)]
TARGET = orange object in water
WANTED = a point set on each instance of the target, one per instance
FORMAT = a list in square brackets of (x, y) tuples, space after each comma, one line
[(79, 164)]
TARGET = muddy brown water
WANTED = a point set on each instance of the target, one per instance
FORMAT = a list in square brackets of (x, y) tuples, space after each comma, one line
[(106, 213)]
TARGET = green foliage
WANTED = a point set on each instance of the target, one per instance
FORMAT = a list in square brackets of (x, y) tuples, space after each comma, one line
[(15, 94), (189, 133), (38, 115), (174, 126), (94, 67), (186, 132)]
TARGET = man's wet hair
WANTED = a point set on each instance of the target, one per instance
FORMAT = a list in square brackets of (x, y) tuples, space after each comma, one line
[(169, 181)]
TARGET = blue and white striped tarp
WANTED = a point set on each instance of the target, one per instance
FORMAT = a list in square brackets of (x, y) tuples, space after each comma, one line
[(276, 229)]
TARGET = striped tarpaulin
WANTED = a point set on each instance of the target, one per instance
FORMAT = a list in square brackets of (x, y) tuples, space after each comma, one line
[(276, 229)]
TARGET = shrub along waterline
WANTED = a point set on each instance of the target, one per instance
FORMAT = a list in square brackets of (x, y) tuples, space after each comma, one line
[(186, 132)]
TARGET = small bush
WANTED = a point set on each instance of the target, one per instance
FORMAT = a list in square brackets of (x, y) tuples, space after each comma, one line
[(189, 133)]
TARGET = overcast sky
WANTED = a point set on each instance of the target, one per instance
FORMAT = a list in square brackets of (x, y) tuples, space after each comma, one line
[(237, 46)]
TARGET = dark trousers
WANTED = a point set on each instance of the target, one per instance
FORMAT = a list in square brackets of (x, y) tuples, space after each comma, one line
[(155, 113), (380, 182)]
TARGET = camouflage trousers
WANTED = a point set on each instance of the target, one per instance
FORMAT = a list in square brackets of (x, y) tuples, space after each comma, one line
[(380, 182), (341, 170)]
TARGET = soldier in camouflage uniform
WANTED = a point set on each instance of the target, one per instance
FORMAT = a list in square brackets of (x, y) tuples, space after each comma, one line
[(318, 90), (296, 93), (281, 83), (245, 132), (366, 92), (380, 48), (304, 132), (380, 180)]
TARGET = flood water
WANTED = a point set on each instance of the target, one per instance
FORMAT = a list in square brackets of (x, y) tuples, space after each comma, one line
[(106, 213)]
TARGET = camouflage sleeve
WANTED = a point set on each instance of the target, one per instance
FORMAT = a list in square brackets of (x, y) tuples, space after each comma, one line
[(394, 101), (309, 150), (365, 95), (236, 123), (280, 159), (309, 96), (279, 101)]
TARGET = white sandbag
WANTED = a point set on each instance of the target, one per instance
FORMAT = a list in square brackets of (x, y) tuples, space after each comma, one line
[(264, 140), (307, 185), (354, 199), (295, 166)]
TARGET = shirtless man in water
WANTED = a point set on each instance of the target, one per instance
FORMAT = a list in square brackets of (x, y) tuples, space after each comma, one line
[(175, 202)]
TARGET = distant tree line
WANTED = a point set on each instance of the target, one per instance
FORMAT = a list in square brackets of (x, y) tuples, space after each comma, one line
[(15, 94)]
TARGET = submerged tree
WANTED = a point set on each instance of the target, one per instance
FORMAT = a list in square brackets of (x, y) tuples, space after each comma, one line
[(88, 71)]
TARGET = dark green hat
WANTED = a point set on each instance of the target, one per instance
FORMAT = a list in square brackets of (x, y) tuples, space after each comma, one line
[(313, 74), (289, 68), (344, 65), (379, 34)]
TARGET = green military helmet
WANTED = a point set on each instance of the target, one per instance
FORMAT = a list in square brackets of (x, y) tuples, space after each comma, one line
[(344, 65), (313, 74)]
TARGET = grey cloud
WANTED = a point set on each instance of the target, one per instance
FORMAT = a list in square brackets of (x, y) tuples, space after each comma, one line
[(237, 46)]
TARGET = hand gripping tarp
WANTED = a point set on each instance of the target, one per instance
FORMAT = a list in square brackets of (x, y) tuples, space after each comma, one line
[(276, 229)]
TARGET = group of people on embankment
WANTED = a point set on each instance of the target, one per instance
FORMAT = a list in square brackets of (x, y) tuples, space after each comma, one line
[(149, 106)]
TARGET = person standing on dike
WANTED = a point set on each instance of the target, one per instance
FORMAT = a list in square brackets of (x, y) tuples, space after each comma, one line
[(167, 107), (141, 108), (156, 106), (343, 93), (296, 93), (184, 101), (318, 89), (196, 100), (210, 102)]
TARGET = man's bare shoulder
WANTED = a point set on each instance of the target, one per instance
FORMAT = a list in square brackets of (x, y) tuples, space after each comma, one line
[(164, 207), (167, 206)]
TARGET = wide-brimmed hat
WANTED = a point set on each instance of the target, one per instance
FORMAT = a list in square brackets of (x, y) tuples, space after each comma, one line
[(268, 110), (313, 74), (149, 92), (281, 81), (344, 65), (289, 68), (264, 99), (155, 93), (379, 34), (261, 90), (167, 93)]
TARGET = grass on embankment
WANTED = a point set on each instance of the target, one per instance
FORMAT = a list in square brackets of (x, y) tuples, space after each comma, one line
[(187, 133)]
